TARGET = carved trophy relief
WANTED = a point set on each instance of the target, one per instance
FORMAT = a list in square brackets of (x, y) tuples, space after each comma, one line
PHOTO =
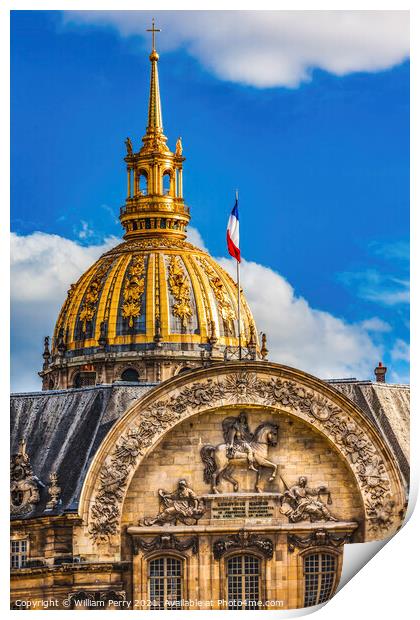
[(302, 503), (241, 449), (181, 505), (24, 486)]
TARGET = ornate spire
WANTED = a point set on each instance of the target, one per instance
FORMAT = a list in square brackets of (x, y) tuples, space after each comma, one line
[(154, 205), (154, 121)]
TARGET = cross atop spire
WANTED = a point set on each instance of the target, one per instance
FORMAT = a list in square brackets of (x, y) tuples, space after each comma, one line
[(153, 30)]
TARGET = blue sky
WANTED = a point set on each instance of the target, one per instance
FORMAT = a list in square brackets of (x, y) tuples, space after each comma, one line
[(322, 167)]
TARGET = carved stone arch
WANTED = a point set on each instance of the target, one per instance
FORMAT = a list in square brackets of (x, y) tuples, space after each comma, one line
[(272, 386)]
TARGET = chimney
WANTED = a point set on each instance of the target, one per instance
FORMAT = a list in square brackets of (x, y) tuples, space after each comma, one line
[(380, 372)]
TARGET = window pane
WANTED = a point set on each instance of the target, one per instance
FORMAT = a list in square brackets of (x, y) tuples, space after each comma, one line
[(319, 569), (165, 585), (18, 553), (243, 581)]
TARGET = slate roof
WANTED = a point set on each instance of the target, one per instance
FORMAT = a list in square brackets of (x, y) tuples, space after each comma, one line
[(63, 429)]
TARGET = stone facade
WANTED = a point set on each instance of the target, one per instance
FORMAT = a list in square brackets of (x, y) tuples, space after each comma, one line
[(96, 547)]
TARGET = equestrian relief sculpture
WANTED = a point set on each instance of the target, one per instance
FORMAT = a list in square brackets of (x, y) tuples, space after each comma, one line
[(241, 448)]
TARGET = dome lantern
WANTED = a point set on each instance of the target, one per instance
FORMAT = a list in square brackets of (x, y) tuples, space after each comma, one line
[(154, 305), (155, 203)]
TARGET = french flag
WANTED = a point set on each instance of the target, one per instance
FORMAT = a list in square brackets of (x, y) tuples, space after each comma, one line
[(232, 234)]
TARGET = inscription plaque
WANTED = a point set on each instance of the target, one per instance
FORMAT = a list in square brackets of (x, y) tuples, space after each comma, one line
[(250, 508)]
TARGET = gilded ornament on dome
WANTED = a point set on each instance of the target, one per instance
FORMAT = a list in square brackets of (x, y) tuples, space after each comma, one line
[(180, 289), (223, 300), (134, 290), (92, 296)]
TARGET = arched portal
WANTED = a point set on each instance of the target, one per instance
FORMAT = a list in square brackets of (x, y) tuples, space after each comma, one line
[(256, 386)]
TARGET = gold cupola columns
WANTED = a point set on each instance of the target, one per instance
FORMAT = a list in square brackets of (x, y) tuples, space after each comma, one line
[(154, 203)]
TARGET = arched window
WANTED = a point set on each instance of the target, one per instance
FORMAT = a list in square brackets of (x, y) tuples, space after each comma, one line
[(320, 572), (130, 374), (166, 180), (165, 583), (84, 379), (184, 369), (243, 581), (143, 183)]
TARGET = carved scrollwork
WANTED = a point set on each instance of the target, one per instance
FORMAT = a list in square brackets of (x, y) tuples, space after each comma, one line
[(165, 541), (241, 388), (317, 538), (243, 540)]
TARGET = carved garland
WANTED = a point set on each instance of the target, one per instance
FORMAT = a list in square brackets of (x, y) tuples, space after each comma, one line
[(165, 541), (243, 540), (241, 388), (318, 538), (134, 290)]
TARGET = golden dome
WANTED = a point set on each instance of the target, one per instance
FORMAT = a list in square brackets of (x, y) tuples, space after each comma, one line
[(149, 293), (154, 304)]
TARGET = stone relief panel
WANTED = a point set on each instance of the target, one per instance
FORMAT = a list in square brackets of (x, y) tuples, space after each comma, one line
[(301, 503), (182, 505), (348, 432), (241, 448), (299, 449)]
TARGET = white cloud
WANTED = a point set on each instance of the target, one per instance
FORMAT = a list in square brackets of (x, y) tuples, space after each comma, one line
[(375, 324), (271, 48), (301, 336), (401, 351), (194, 237), (377, 287), (85, 231), (43, 266)]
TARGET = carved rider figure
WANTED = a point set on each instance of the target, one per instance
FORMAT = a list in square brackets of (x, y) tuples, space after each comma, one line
[(238, 438), (305, 502), (181, 505)]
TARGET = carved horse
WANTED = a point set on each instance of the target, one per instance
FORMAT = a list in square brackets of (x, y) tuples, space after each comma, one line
[(218, 465)]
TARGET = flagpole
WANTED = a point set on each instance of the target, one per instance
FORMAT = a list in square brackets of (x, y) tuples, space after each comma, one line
[(238, 283)]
